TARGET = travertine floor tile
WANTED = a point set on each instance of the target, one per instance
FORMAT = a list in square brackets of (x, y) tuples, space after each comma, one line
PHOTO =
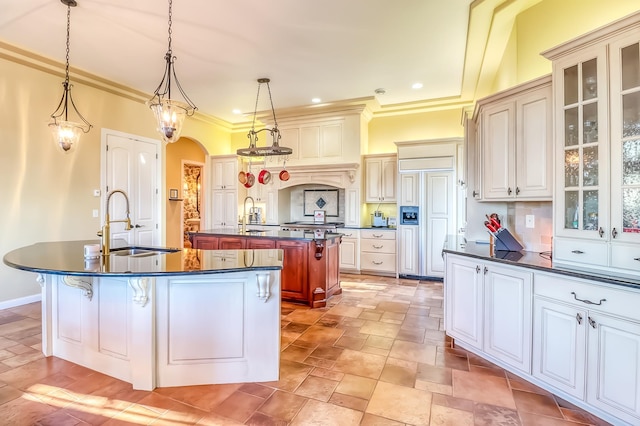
[(400, 403), (483, 388), (321, 413)]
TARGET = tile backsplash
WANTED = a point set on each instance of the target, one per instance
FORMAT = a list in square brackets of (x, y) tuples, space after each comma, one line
[(535, 239)]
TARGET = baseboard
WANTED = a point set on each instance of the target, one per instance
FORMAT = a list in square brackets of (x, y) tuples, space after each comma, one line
[(20, 301)]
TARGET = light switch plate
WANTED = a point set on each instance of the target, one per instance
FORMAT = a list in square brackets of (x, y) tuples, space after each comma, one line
[(96, 192), (530, 221)]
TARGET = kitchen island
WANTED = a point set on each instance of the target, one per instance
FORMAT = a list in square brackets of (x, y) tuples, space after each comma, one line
[(156, 317), (310, 270)]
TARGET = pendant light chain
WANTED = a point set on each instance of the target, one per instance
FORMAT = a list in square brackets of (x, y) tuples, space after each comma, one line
[(170, 22), (255, 108), (273, 111), (66, 71)]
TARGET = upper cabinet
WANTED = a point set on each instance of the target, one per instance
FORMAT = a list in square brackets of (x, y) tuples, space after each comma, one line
[(381, 173), (514, 144), (597, 143), (225, 172)]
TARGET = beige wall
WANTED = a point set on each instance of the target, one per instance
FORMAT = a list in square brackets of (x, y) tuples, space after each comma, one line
[(48, 195), (384, 131)]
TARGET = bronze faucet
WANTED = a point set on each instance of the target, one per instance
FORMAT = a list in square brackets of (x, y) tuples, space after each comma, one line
[(105, 232)]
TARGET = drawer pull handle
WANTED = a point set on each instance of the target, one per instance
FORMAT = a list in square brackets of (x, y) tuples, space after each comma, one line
[(577, 252), (377, 247), (579, 318), (637, 258), (588, 302), (592, 323), (378, 235), (376, 263)]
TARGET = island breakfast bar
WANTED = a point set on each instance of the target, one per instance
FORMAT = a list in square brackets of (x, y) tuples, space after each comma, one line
[(158, 317)]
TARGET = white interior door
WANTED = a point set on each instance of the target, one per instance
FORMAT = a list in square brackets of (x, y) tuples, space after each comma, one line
[(131, 163)]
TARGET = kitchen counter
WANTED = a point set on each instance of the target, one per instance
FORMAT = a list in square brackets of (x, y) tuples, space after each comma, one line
[(67, 258), (539, 261), (189, 317)]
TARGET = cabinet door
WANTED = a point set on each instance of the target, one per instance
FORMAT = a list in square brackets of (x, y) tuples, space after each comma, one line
[(463, 287), (373, 173), (498, 151), (294, 269), (582, 186), (508, 315), (439, 220), (559, 346), (260, 243), (625, 140), (613, 373), (534, 147), (205, 242), (408, 244), (231, 243), (409, 189), (388, 180), (224, 209), (271, 205), (350, 250), (225, 173)]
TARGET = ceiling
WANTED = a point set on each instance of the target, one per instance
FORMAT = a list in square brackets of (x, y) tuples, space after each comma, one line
[(334, 50)]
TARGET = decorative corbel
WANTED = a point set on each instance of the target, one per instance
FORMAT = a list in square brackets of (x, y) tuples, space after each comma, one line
[(319, 249), (40, 280), (352, 176), (264, 284), (83, 284), (140, 286)]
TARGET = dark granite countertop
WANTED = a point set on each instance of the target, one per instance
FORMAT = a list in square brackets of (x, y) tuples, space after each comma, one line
[(534, 260), (275, 233), (67, 258)]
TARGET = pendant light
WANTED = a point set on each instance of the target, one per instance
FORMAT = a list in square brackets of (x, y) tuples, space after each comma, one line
[(263, 151), (170, 113), (65, 133)]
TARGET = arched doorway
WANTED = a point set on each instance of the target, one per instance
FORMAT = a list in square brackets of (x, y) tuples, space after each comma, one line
[(185, 173)]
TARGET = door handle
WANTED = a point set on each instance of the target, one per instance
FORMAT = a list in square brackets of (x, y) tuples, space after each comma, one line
[(601, 231), (509, 191), (614, 233), (579, 318), (139, 226)]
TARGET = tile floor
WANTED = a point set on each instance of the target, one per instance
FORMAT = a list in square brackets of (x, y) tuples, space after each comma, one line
[(376, 356)]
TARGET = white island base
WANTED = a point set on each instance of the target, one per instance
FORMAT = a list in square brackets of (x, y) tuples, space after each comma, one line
[(160, 331)]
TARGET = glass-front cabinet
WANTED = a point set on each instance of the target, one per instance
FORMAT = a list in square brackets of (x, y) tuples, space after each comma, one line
[(596, 89), (582, 195), (625, 139)]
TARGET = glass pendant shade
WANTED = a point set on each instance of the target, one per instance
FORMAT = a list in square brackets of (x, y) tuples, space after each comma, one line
[(66, 135), (170, 116)]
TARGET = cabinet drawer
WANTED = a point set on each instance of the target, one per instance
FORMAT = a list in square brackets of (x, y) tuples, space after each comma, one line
[(617, 302), (378, 246), (378, 235), (349, 233), (382, 262), (581, 251), (626, 256)]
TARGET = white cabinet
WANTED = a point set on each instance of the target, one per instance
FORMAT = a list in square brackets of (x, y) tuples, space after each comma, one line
[(489, 306), (408, 250), (463, 300), (224, 193), (350, 250), (378, 251), (515, 142), (409, 189), (315, 140), (597, 142), (380, 178), (587, 343), (225, 172)]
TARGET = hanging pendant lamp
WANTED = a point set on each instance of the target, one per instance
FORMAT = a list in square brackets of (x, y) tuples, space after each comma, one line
[(170, 113), (264, 151), (65, 133)]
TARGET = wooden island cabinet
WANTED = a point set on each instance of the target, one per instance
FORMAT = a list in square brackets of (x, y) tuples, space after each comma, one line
[(310, 270)]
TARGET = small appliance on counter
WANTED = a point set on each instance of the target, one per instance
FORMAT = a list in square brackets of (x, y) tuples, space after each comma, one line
[(378, 220), (255, 215)]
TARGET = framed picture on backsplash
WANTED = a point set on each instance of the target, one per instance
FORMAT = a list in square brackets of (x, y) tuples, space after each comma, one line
[(321, 199)]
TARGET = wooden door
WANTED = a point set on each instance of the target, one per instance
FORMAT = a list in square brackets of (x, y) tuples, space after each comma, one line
[(294, 269)]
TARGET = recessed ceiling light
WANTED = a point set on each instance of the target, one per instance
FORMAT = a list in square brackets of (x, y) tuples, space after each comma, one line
[(236, 111), (380, 91), (316, 100), (416, 86)]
